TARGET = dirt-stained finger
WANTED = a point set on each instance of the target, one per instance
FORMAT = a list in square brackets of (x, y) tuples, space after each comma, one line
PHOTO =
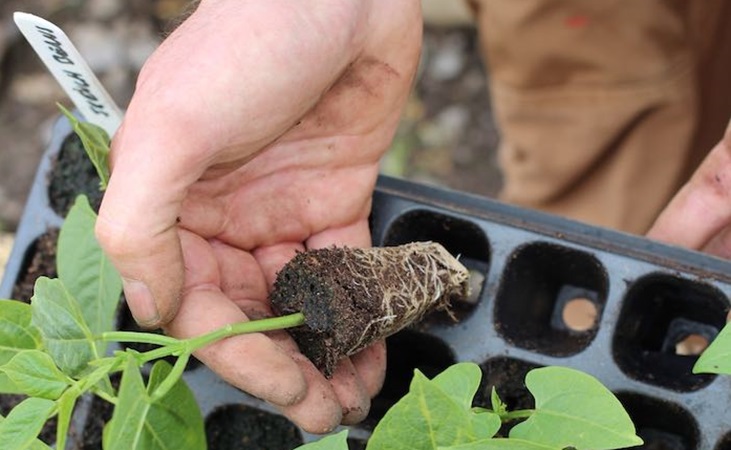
[(351, 392), (241, 277), (370, 363), (702, 208), (272, 258), (354, 235), (253, 362), (319, 411)]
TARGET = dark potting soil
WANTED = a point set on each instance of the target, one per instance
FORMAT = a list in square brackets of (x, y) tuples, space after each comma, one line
[(72, 174), (100, 412), (353, 297), (40, 260), (239, 427)]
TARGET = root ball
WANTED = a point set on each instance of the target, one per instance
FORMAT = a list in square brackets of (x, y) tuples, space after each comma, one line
[(353, 297)]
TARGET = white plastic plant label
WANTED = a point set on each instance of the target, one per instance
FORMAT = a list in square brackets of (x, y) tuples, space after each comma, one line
[(71, 70)]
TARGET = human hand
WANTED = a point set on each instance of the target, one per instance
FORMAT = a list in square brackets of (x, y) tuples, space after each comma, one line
[(699, 216), (255, 131)]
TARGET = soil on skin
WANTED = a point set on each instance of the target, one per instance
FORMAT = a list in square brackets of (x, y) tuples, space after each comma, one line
[(352, 298), (40, 261), (72, 174), (239, 427)]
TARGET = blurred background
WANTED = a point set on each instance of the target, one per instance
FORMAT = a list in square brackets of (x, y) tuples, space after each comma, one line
[(446, 137)]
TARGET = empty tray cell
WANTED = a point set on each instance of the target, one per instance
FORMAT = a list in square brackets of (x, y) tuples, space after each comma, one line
[(464, 239), (665, 322), (39, 260), (550, 299), (240, 427), (661, 424), (408, 350)]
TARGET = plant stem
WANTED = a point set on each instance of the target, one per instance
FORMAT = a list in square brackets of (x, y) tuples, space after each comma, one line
[(255, 326), (517, 414), (137, 336), (172, 377)]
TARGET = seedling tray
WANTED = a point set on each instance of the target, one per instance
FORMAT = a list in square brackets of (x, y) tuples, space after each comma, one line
[(644, 299)]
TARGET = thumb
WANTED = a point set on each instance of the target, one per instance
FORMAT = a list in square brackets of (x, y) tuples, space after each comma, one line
[(137, 225)]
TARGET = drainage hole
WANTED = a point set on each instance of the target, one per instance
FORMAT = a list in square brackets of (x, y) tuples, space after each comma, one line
[(580, 314)]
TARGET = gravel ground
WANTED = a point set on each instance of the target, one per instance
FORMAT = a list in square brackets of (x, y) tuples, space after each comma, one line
[(446, 137)]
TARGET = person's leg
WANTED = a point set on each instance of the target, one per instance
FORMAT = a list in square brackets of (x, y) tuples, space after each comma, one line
[(710, 26), (597, 104)]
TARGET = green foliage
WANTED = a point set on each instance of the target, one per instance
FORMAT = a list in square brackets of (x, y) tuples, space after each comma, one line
[(18, 431), (438, 413), (65, 334), (142, 421), (53, 351), (717, 357), (85, 270), (96, 143), (35, 374), (573, 409), (16, 334)]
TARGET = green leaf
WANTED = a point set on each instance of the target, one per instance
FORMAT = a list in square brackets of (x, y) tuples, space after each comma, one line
[(573, 409), (65, 409), (497, 404), (96, 143), (436, 413), (65, 334), (86, 272), (19, 430), (337, 441), (16, 331), (174, 422), (500, 444), (35, 374), (717, 357), (16, 334)]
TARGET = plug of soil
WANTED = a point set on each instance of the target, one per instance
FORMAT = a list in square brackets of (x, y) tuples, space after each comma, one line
[(353, 297)]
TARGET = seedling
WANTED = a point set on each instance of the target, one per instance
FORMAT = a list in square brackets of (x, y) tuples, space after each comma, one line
[(55, 350), (573, 410)]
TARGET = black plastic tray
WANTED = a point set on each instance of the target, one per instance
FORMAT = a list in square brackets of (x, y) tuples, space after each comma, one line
[(648, 297)]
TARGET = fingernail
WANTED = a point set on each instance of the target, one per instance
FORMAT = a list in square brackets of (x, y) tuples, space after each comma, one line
[(141, 303)]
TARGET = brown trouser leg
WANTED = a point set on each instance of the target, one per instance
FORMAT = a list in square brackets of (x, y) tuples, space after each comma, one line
[(605, 107)]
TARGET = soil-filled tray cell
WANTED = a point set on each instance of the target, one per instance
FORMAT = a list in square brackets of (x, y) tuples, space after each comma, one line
[(538, 305), (240, 427), (661, 424), (666, 321), (408, 350), (507, 376), (39, 260), (72, 174), (724, 443), (461, 238)]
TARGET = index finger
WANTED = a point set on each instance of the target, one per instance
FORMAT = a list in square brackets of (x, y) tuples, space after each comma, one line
[(702, 208)]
